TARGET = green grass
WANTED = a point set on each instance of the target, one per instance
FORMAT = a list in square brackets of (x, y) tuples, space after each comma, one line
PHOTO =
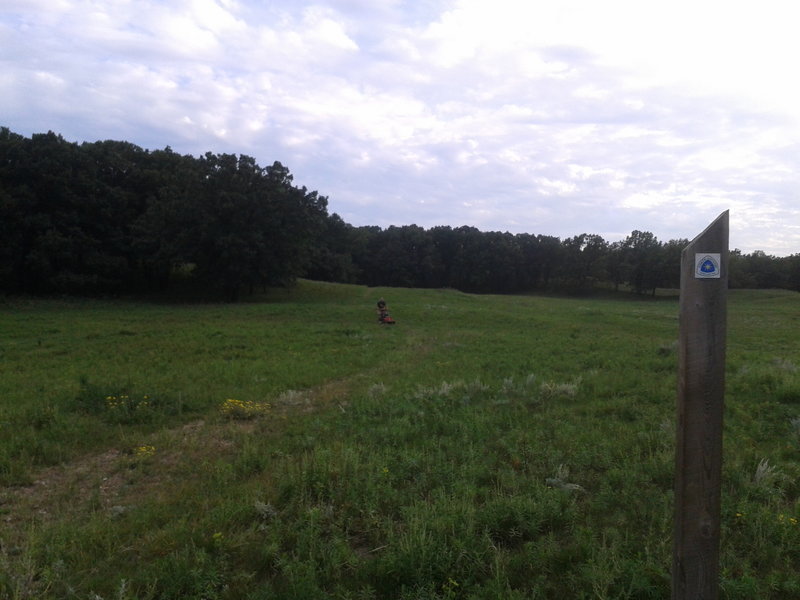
[(484, 447)]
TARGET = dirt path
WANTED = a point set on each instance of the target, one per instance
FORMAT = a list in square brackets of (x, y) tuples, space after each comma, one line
[(114, 480)]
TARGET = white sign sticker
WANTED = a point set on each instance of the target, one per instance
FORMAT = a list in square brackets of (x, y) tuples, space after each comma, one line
[(707, 265)]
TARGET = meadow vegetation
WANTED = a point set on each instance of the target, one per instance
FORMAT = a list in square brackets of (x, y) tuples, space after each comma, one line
[(485, 447)]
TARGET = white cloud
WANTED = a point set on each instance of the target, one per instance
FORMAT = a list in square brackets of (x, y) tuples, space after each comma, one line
[(323, 27), (553, 118)]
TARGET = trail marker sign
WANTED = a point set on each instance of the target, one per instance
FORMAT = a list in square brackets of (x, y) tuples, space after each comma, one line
[(701, 392), (706, 265)]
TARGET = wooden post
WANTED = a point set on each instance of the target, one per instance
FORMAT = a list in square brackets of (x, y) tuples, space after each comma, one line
[(701, 393)]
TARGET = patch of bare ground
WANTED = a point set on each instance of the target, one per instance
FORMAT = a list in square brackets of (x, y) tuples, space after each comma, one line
[(117, 479)]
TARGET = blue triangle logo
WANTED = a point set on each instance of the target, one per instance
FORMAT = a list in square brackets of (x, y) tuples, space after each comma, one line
[(708, 267)]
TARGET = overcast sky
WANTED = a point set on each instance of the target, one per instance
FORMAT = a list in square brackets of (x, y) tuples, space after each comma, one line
[(557, 117)]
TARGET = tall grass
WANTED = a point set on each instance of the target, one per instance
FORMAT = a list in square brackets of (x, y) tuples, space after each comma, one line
[(484, 447)]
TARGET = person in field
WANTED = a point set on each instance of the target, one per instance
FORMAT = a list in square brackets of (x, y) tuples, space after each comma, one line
[(383, 312), (382, 309)]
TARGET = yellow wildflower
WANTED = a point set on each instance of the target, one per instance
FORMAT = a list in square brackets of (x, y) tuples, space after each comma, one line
[(144, 451), (243, 409)]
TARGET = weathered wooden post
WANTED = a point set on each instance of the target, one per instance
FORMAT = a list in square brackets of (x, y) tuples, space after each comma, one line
[(701, 393)]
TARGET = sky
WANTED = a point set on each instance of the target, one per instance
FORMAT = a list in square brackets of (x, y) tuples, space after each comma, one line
[(554, 118)]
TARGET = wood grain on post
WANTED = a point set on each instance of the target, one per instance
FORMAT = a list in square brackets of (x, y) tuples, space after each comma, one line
[(701, 393)]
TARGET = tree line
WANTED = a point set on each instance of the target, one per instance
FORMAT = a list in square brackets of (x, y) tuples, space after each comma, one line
[(111, 217), (470, 260)]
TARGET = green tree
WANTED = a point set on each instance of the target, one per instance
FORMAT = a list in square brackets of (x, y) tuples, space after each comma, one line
[(61, 217), (542, 258), (763, 271), (585, 258), (670, 264), (791, 266), (641, 261), (332, 256)]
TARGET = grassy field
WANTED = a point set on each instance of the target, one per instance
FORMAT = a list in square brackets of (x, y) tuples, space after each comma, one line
[(289, 447)]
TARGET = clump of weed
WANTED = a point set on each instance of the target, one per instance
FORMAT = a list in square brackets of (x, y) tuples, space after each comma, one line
[(511, 521), (476, 387), (769, 478), (445, 389), (779, 379), (787, 389), (377, 390), (129, 409), (785, 365), (795, 428), (141, 455), (292, 398), (243, 410), (265, 511), (40, 416), (116, 404), (788, 392), (90, 398), (560, 481), (550, 390), (760, 379), (667, 428), (668, 349), (456, 391), (513, 387)]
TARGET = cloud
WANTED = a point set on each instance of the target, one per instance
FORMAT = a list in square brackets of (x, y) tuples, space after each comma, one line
[(554, 118)]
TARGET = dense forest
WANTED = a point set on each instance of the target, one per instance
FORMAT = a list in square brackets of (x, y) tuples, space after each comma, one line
[(110, 217)]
